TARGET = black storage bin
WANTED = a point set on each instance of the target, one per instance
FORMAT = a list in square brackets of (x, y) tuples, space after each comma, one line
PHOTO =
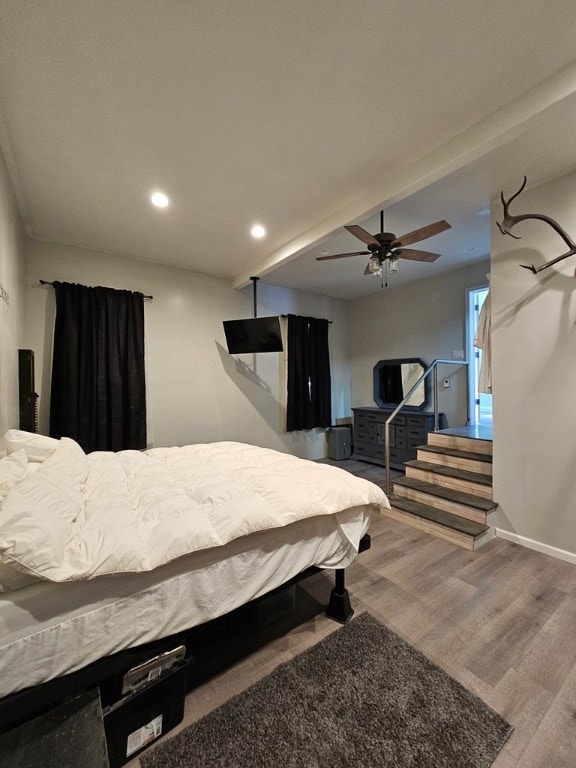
[(137, 720)]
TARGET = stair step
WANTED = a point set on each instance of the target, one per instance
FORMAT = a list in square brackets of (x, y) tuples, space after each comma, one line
[(449, 499), (460, 479), (454, 457), (467, 527), (460, 442), (464, 533)]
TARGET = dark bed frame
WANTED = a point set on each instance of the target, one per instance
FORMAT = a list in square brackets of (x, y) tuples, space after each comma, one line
[(106, 673)]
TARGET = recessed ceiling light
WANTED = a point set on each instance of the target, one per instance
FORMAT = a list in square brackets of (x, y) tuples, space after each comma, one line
[(159, 199), (258, 231)]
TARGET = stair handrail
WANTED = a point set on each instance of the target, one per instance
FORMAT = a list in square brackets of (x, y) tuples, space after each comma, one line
[(433, 367)]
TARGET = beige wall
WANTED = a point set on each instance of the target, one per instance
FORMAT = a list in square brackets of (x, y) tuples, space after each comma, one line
[(424, 319), (12, 310), (534, 373), (197, 392)]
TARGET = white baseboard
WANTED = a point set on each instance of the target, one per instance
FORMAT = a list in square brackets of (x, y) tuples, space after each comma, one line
[(547, 549)]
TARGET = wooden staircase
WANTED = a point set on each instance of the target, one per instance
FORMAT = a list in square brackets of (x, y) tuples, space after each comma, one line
[(447, 490)]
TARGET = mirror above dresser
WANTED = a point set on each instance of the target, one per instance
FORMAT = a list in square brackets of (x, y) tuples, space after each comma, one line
[(393, 380)]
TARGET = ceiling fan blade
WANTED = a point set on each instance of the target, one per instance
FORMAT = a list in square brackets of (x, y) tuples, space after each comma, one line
[(342, 255), (361, 234), (410, 253), (422, 233)]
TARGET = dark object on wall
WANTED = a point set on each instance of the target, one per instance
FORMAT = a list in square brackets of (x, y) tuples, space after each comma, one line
[(339, 443), (256, 334), (510, 221), (309, 386), (28, 399), (393, 379), (98, 393)]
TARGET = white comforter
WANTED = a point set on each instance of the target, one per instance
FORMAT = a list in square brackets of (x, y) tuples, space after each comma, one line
[(81, 516)]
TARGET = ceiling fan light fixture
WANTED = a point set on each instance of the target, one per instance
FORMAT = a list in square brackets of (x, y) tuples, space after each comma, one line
[(374, 266), (393, 263)]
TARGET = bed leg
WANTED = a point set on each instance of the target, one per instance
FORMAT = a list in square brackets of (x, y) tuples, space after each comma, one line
[(339, 607)]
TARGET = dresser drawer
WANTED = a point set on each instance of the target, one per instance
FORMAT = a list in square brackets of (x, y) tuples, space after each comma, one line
[(416, 433), (365, 431), (374, 438), (415, 421), (366, 439), (377, 455), (373, 451), (368, 418), (377, 415)]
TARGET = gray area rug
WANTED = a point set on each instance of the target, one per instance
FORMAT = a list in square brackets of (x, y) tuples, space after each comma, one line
[(362, 697)]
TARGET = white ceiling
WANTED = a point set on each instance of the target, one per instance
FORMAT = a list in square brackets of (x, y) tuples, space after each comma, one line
[(301, 115)]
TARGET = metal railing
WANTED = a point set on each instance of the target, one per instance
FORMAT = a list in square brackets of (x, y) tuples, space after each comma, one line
[(432, 368)]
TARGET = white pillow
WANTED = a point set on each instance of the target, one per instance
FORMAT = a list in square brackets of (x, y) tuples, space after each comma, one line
[(67, 461), (37, 447), (13, 469), (38, 517)]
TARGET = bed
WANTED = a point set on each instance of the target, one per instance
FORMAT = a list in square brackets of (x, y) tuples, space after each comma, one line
[(106, 552)]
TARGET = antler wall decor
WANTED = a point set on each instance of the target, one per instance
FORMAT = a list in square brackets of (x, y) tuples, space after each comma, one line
[(510, 221)]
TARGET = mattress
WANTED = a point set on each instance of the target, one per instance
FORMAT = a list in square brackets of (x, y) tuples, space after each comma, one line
[(50, 629)]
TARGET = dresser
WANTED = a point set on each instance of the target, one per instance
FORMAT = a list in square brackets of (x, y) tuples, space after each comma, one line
[(408, 430)]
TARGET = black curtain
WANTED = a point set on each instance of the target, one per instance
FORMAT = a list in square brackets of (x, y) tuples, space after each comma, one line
[(309, 389), (98, 393)]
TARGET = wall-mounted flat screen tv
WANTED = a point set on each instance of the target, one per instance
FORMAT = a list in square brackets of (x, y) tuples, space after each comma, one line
[(255, 334)]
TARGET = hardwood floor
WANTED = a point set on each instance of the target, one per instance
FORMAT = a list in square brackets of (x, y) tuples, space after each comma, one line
[(373, 472), (501, 620)]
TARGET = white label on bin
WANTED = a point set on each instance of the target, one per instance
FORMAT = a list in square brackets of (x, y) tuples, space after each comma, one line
[(144, 735)]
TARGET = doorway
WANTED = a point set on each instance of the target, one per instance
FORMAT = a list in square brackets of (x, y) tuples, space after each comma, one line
[(480, 406)]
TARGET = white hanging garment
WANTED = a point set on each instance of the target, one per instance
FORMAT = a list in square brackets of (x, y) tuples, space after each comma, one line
[(483, 341)]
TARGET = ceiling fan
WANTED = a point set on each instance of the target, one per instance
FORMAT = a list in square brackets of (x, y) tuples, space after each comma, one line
[(386, 247)]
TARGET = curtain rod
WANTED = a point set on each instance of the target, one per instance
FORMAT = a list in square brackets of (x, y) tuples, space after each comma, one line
[(316, 318), (47, 282)]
